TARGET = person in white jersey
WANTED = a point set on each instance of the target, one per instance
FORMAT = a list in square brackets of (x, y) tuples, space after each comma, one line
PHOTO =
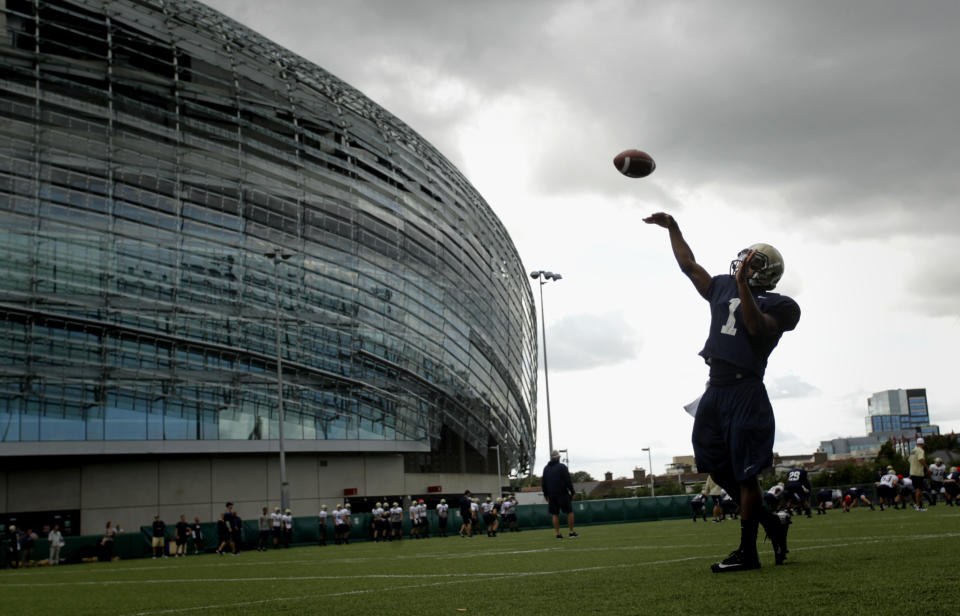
[(396, 522), (887, 489), (338, 526), (773, 498), (414, 511), (424, 521), (443, 510), (322, 524), (276, 526), (938, 472)]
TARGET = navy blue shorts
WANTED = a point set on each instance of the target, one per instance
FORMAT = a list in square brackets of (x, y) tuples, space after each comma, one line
[(734, 429), (559, 503)]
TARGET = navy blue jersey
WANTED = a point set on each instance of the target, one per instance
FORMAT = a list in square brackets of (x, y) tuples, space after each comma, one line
[(797, 477), (728, 339), (158, 528), (824, 495)]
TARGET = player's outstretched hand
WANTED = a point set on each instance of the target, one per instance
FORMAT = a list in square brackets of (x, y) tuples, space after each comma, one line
[(746, 268), (660, 218)]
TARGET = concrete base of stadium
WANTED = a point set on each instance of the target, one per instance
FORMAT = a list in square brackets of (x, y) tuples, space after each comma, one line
[(130, 490)]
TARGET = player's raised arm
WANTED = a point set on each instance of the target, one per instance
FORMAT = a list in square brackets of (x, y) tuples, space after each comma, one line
[(681, 251)]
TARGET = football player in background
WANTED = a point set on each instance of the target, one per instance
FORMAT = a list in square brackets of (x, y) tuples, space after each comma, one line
[(396, 522), (414, 511), (938, 472), (733, 430), (798, 490), (322, 524), (951, 486), (824, 500), (773, 498), (442, 512), (887, 489), (699, 506)]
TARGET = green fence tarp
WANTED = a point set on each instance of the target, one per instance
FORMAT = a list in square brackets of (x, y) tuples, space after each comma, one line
[(306, 530)]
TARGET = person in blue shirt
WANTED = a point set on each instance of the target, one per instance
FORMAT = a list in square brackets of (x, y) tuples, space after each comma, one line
[(798, 490), (734, 426)]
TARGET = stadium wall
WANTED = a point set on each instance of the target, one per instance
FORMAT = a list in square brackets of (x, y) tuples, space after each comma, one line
[(130, 492)]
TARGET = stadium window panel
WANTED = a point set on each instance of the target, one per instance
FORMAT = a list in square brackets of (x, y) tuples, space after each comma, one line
[(123, 420), (62, 422), (10, 418), (30, 420)]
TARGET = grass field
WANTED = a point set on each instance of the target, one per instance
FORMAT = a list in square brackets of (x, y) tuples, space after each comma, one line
[(862, 562)]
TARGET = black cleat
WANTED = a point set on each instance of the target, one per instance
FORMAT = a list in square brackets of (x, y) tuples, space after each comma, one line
[(736, 561), (777, 533)]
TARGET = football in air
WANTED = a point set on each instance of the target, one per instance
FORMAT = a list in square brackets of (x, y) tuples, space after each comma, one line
[(634, 163)]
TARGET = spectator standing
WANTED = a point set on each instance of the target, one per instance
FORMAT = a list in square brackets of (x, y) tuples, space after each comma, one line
[(27, 541), (466, 525), (13, 546), (263, 525), (106, 543), (56, 542), (196, 532), (159, 530), (223, 534), (236, 534), (558, 490), (181, 533)]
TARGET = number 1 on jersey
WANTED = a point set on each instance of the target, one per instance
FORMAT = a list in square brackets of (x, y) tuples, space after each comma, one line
[(729, 328)]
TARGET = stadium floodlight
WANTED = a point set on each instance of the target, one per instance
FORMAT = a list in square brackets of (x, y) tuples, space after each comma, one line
[(542, 277), (278, 256), (650, 460)]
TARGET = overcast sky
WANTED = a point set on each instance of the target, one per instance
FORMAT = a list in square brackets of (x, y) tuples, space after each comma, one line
[(829, 130)]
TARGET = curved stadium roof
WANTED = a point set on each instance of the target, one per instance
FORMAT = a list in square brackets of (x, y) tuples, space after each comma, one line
[(154, 155)]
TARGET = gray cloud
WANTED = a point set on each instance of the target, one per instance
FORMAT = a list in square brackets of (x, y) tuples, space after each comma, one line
[(836, 111), (838, 120), (585, 341)]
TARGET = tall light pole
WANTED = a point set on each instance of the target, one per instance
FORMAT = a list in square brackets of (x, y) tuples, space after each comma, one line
[(278, 256), (650, 460), (499, 482), (543, 277)]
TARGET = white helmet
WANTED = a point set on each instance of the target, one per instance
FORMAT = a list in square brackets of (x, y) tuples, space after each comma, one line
[(767, 265)]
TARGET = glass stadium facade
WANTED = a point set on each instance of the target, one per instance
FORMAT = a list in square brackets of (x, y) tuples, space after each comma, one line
[(188, 211)]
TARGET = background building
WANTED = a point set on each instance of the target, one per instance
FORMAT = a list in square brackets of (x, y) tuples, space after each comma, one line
[(899, 415), (190, 213), (896, 410)]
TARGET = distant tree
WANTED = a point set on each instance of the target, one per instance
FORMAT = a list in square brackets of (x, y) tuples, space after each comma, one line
[(941, 442), (889, 456), (579, 476)]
